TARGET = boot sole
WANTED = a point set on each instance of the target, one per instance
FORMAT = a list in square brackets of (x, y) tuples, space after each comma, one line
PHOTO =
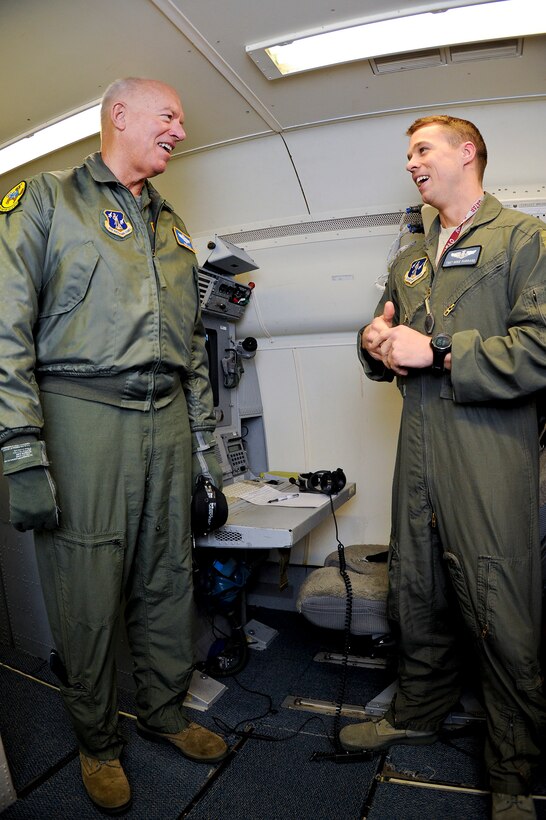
[(111, 812), (418, 741)]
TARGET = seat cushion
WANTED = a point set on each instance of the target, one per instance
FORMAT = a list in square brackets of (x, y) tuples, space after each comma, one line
[(356, 558), (322, 600)]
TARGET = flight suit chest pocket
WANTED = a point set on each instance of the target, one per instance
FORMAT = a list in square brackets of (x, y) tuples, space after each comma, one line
[(463, 281), (69, 284)]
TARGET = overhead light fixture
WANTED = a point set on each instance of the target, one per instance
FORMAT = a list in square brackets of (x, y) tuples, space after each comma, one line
[(48, 138), (360, 40)]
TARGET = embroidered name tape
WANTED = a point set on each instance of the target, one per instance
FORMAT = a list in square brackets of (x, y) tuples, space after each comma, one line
[(462, 256), (13, 197), (183, 239), (117, 224), (417, 271)]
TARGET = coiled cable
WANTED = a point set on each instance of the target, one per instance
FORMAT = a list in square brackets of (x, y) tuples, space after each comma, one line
[(346, 632)]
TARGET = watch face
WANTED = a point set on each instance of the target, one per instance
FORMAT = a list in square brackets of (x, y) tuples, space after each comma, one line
[(442, 342)]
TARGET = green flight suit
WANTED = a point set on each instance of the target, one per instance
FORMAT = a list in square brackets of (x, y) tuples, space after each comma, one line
[(465, 491), (102, 353)]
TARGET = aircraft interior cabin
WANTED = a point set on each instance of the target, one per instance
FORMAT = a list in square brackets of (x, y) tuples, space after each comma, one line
[(359, 545)]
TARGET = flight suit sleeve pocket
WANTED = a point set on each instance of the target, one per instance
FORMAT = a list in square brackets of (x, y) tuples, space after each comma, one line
[(67, 287), (538, 303)]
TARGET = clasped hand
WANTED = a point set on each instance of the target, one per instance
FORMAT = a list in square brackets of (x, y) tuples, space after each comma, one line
[(399, 347)]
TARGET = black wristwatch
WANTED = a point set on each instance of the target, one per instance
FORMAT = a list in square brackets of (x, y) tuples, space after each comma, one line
[(441, 346)]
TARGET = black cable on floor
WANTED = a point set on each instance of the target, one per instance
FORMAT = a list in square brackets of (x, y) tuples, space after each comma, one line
[(346, 633), (367, 805), (214, 775), (252, 734)]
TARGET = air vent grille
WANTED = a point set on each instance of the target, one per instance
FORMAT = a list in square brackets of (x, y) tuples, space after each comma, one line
[(233, 536), (205, 283), (486, 51), (319, 226), (405, 62), (465, 52)]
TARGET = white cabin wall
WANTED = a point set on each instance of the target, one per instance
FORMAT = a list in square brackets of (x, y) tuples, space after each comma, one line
[(213, 187), (320, 412)]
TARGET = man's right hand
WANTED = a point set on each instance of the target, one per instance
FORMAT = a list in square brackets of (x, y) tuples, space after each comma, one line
[(372, 332), (32, 497), (32, 501)]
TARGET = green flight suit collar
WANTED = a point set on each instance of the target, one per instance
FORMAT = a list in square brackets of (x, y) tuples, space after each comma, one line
[(101, 173), (489, 209)]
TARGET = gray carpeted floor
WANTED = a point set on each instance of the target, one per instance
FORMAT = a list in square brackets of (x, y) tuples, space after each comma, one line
[(271, 774)]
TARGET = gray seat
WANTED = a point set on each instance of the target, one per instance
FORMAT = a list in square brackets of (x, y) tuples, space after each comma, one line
[(322, 597)]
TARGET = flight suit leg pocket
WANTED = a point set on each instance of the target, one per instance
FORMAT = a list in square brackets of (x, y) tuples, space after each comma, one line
[(393, 597), (506, 613), (462, 590), (90, 577)]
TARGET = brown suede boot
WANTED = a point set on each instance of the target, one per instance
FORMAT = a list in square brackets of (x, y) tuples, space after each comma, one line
[(106, 784), (512, 807), (195, 742)]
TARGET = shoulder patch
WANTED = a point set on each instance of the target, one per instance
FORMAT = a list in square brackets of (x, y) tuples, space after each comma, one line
[(116, 224), (417, 271), (183, 239), (13, 197)]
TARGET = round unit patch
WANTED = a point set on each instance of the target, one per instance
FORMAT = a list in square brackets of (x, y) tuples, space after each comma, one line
[(13, 197)]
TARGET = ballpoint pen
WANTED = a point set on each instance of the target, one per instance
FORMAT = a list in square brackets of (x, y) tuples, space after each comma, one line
[(283, 498)]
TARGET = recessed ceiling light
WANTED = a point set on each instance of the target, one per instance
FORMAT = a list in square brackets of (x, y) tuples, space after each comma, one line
[(72, 128), (360, 40)]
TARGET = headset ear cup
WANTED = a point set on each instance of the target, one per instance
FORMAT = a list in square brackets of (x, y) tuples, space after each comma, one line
[(339, 479), (326, 482), (301, 480), (314, 482)]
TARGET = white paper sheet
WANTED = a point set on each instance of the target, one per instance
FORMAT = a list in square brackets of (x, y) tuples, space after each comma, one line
[(265, 494)]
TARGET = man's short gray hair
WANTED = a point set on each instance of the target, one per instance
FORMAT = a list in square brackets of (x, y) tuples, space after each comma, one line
[(116, 90)]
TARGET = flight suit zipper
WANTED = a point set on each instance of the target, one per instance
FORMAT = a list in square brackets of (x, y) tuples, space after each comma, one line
[(486, 272), (159, 283), (149, 232)]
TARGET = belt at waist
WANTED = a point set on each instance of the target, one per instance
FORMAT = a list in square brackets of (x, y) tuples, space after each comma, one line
[(134, 389)]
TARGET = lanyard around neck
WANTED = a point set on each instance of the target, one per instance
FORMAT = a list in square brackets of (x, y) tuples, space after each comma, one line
[(457, 231)]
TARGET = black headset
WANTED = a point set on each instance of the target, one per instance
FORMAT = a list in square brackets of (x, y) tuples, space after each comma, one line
[(209, 507), (328, 482)]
